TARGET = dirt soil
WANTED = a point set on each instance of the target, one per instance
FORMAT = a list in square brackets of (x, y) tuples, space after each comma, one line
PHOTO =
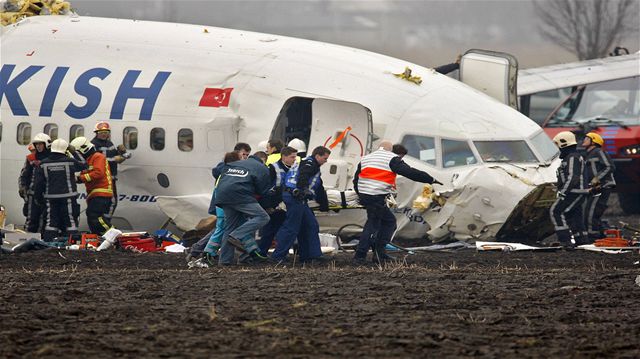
[(467, 303)]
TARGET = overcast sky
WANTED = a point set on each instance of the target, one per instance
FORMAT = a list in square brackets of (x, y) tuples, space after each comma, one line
[(425, 32)]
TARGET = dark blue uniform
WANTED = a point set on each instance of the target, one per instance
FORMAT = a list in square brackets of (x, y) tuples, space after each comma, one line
[(302, 183)]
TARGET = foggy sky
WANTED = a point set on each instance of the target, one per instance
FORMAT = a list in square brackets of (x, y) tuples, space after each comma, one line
[(429, 33)]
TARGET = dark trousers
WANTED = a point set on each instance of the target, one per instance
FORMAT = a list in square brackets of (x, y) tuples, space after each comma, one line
[(300, 223), (378, 229), (114, 200), (36, 215), (62, 219), (567, 219), (593, 210), (268, 232), (97, 211)]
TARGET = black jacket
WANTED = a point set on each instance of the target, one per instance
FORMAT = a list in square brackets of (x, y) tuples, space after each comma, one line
[(599, 168), (309, 167), (274, 196), (55, 177), (571, 172), (27, 174), (243, 182), (110, 152)]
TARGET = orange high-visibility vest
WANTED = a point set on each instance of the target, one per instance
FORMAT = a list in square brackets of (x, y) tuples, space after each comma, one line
[(376, 177), (97, 177)]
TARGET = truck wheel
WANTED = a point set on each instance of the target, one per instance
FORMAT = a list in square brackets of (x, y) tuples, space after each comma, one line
[(630, 202)]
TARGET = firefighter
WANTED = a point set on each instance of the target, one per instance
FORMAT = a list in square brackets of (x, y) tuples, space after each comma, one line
[(375, 183), (55, 182), (303, 183), (273, 200), (34, 209), (566, 212), (599, 171), (115, 155), (273, 150), (97, 179)]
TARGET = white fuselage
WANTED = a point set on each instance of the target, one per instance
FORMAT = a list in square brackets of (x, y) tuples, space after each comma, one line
[(145, 75)]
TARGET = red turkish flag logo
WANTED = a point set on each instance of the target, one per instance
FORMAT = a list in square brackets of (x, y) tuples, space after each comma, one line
[(213, 97)]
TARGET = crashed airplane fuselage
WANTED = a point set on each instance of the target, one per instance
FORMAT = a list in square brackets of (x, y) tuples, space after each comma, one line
[(179, 96)]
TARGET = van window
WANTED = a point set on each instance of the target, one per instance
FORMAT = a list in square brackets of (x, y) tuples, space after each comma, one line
[(76, 131), (185, 140), (157, 139), (23, 135), (421, 147), (51, 129), (457, 153), (130, 138)]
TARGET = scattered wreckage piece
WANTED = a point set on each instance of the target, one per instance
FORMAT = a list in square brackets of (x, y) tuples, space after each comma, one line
[(509, 247)]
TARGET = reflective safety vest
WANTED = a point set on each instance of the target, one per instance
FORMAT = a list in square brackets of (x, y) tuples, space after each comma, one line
[(98, 177), (281, 174), (273, 158), (376, 177), (291, 179)]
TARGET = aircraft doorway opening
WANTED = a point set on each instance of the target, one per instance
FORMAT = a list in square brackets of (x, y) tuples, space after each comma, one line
[(294, 120), (346, 128)]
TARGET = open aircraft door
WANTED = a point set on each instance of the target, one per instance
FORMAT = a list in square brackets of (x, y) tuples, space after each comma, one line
[(493, 73), (345, 128)]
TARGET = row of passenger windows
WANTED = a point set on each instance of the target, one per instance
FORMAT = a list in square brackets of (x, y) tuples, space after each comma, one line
[(129, 136)]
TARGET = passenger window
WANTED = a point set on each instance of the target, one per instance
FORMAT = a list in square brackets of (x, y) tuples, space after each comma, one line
[(457, 153), (23, 136), (185, 140), (157, 139), (51, 129), (421, 147), (76, 131), (0, 131), (130, 138)]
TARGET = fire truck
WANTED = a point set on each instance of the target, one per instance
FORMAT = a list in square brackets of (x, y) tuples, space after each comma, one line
[(596, 95)]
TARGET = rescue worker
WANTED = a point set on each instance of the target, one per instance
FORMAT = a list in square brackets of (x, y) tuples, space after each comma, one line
[(566, 212), (303, 183), (34, 209), (599, 171), (242, 150), (239, 185), (97, 179), (273, 200), (299, 145), (374, 181), (273, 150), (115, 155), (56, 183)]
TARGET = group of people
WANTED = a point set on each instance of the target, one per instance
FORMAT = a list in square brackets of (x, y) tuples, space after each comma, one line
[(585, 181), (48, 183), (268, 194)]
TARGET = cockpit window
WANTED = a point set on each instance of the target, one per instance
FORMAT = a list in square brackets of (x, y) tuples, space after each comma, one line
[(545, 147), (457, 153), (606, 103), (505, 151), (421, 147)]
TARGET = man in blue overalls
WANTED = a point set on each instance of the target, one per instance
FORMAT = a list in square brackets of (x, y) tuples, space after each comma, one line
[(272, 201), (303, 183)]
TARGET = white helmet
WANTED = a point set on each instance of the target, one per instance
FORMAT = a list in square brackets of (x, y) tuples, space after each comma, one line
[(82, 145), (262, 145), (298, 145), (565, 139), (59, 146), (42, 138)]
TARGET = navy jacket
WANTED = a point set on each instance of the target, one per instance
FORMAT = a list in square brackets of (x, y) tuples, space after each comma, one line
[(55, 177), (243, 182)]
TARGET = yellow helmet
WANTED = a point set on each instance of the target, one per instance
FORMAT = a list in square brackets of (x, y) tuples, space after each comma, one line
[(565, 139), (595, 138)]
